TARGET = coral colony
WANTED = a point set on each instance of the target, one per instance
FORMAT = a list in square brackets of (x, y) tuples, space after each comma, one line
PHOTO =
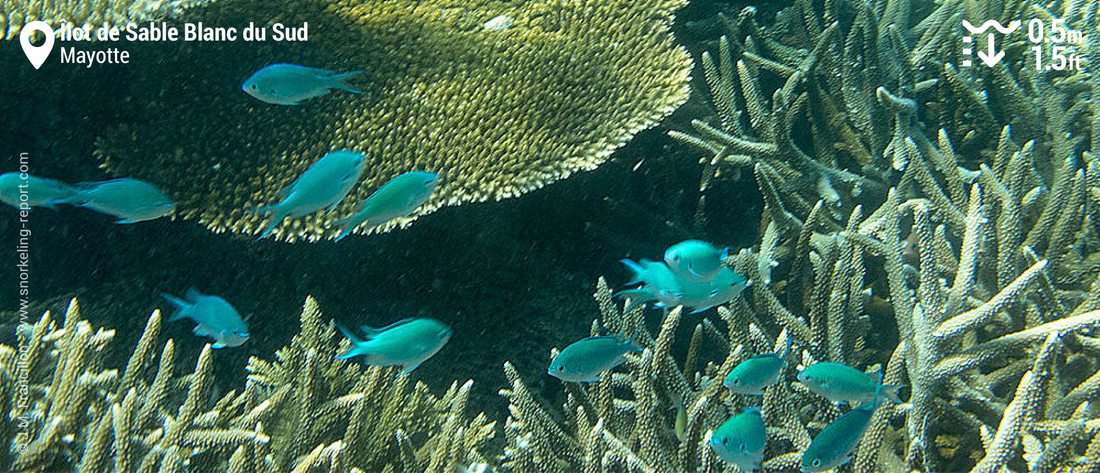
[(923, 294)]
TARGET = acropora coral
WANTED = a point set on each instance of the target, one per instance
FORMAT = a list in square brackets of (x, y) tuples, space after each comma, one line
[(975, 241), (304, 411), (496, 111), (934, 222)]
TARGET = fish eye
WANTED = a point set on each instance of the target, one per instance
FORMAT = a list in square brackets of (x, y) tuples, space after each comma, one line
[(743, 448), (725, 441), (561, 369), (816, 462), (253, 87), (736, 381)]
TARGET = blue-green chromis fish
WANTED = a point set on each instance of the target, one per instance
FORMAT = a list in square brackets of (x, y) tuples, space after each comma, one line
[(661, 285), (128, 199), (837, 442), (841, 383), (658, 284), (741, 440), (216, 317), (584, 360), (290, 84), (406, 343), (324, 184), (758, 372), (398, 197), (24, 191), (700, 296), (695, 260)]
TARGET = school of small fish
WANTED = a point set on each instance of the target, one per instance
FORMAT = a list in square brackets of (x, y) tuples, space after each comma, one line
[(741, 440), (322, 186), (692, 275)]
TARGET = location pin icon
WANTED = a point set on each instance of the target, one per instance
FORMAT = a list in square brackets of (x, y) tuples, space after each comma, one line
[(36, 54)]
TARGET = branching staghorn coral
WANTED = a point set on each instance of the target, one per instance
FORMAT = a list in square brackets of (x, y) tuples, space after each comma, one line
[(498, 111), (980, 252), (328, 412), (303, 412), (959, 349), (69, 410), (625, 422), (858, 80)]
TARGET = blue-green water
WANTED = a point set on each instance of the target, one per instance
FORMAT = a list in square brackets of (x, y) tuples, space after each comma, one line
[(514, 278)]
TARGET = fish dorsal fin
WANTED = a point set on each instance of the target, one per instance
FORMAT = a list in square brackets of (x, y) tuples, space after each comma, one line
[(348, 334), (605, 337), (612, 338), (286, 191), (86, 186), (629, 343), (192, 294), (371, 332)]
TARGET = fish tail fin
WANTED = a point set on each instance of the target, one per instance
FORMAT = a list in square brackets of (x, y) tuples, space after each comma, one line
[(178, 303), (68, 196), (339, 81), (355, 342), (629, 344), (880, 389), (890, 391), (636, 297), (77, 197), (346, 225), (265, 209), (787, 348), (348, 333), (635, 267), (280, 214)]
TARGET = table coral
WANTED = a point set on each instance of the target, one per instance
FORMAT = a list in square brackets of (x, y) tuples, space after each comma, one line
[(497, 111)]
